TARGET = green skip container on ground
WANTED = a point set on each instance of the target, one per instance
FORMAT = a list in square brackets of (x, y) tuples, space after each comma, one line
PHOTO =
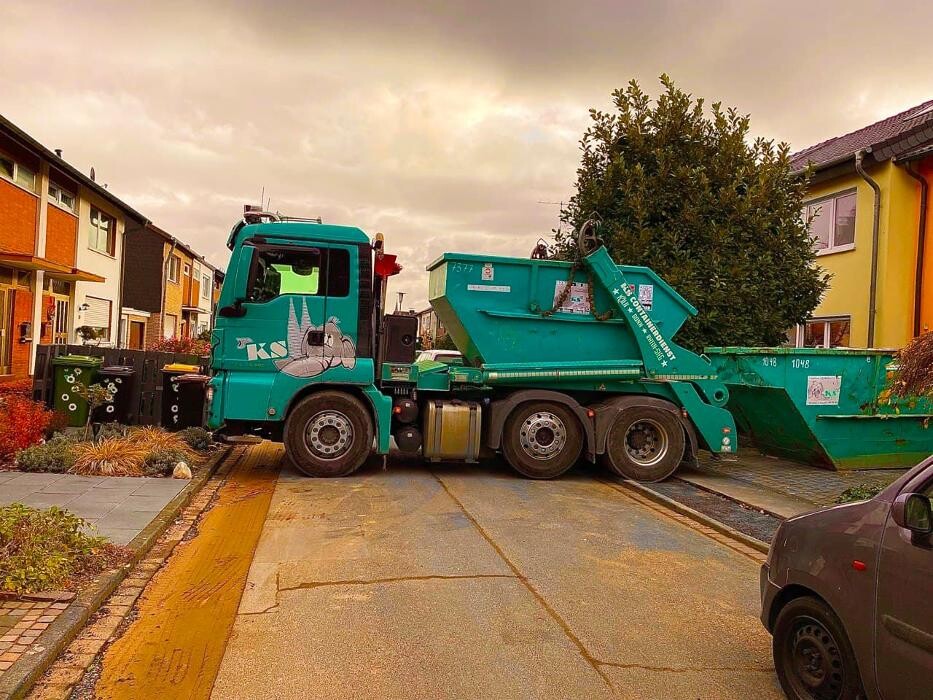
[(825, 407), (72, 372)]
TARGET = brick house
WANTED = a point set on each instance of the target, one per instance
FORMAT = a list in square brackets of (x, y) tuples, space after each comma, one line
[(171, 291), (61, 252)]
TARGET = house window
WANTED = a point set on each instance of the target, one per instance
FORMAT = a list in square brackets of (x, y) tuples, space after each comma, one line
[(103, 232), (824, 333), (61, 197), (174, 265), (170, 325), (832, 222), (187, 270), (97, 316), (205, 286), (17, 172)]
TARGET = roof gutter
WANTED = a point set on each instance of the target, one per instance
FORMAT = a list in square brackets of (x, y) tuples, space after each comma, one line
[(921, 243), (875, 233)]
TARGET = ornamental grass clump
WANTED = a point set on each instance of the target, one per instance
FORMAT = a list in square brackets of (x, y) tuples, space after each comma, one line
[(111, 457), (41, 549), (154, 439)]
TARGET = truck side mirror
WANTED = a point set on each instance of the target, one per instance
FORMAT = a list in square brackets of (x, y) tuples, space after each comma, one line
[(239, 284), (913, 512)]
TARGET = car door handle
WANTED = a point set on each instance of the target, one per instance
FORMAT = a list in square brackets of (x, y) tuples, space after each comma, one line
[(908, 633)]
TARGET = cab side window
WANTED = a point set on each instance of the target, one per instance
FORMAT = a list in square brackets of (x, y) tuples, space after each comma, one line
[(308, 272)]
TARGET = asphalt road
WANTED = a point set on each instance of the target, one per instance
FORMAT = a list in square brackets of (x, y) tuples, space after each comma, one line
[(469, 582)]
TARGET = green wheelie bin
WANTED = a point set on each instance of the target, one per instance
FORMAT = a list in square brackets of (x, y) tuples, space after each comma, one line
[(72, 372)]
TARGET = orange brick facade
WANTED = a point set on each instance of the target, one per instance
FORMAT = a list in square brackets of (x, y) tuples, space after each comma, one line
[(19, 214), (61, 236)]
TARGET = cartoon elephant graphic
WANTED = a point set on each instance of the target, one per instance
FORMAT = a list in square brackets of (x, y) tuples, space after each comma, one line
[(314, 349)]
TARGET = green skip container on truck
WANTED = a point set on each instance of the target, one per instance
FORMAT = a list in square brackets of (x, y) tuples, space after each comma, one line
[(561, 359), (829, 407)]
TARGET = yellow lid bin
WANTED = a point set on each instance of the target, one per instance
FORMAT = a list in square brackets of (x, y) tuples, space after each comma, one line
[(180, 367)]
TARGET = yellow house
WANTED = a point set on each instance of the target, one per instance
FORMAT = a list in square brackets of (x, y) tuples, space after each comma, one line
[(868, 207)]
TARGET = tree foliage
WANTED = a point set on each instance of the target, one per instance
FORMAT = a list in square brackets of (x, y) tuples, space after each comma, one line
[(718, 216)]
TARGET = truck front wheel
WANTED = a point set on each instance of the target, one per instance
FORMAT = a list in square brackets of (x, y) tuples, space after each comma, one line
[(645, 443), (328, 434), (542, 440)]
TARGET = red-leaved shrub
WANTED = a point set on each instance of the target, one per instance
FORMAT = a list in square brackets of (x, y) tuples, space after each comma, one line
[(23, 423), (190, 346), (19, 387)]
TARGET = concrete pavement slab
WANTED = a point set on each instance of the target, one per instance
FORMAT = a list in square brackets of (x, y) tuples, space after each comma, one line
[(439, 638), (636, 589)]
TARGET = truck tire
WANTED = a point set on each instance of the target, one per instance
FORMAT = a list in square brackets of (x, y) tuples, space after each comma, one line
[(541, 439), (328, 434), (646, 443)]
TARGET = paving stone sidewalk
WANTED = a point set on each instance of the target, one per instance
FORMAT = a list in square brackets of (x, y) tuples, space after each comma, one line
[(821, 487), (118, 507)]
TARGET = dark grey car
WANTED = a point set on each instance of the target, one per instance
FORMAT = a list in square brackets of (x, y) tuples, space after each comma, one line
[(847, 594)]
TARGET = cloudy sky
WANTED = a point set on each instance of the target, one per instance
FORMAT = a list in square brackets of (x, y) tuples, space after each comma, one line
[(444, 125)]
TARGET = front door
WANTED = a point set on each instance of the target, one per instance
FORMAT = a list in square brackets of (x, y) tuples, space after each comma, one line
[(904, 610), (137, 333)]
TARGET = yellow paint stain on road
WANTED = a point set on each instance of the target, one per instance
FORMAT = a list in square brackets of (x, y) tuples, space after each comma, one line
[(174, 647)]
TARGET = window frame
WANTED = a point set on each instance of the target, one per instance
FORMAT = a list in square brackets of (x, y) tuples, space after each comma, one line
[(14, 178), (95, 231), (800, 330), (172, 258), (831, 199), (56, 199)]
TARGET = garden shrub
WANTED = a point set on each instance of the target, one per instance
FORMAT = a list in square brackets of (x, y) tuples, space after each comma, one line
[(112, 430), (55, 456), (17, 387), (111, 457), (23, 423), (162, 462), (860, 492), (187, 346), (40, 549), (197, 438)]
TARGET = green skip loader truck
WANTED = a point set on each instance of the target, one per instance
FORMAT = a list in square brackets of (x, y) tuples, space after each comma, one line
[(560, 358)]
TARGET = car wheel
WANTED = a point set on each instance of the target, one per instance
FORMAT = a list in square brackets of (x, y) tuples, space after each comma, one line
[(328, 434), (813, 657), (645, 443), (542, 440)]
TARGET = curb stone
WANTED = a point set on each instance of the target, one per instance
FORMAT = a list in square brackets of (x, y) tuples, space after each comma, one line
[(694, 515), (16, 681)]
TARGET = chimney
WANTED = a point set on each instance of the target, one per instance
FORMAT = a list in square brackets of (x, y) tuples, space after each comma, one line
[(58, 152), (93, 175)]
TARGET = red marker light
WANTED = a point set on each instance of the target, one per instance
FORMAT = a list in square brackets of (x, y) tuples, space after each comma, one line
[(590, 412), (858, 565)]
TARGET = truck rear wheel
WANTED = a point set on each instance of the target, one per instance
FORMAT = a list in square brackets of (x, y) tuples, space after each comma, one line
[(542, 440), (328, 434), (645, 443)]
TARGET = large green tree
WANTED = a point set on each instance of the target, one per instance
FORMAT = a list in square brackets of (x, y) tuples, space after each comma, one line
[(687, 193)]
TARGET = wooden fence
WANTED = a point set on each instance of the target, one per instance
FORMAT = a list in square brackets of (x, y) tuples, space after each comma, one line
[(146, 400)]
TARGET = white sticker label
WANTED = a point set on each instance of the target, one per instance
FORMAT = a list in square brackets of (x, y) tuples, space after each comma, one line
[(578, 301), (646, 296), (488, 288), (823, 391), (489, 273)]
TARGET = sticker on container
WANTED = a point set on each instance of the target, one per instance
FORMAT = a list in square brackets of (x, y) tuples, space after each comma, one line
[(488, 288), (399, 372), (646, 296), (489, 273), (823, 391), (577, 302)]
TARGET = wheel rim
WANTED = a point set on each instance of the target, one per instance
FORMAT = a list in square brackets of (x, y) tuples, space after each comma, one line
[(813, 661), (542, 435), (646, 442), (328, 434)]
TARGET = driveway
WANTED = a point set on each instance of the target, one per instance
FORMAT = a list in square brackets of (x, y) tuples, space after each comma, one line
[(465, 582)]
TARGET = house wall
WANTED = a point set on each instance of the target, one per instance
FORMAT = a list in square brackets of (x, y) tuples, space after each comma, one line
[(61, 236), (848, 294), (19, 214), (142, 284), (925, 168), (174, 290), (98, 263)]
